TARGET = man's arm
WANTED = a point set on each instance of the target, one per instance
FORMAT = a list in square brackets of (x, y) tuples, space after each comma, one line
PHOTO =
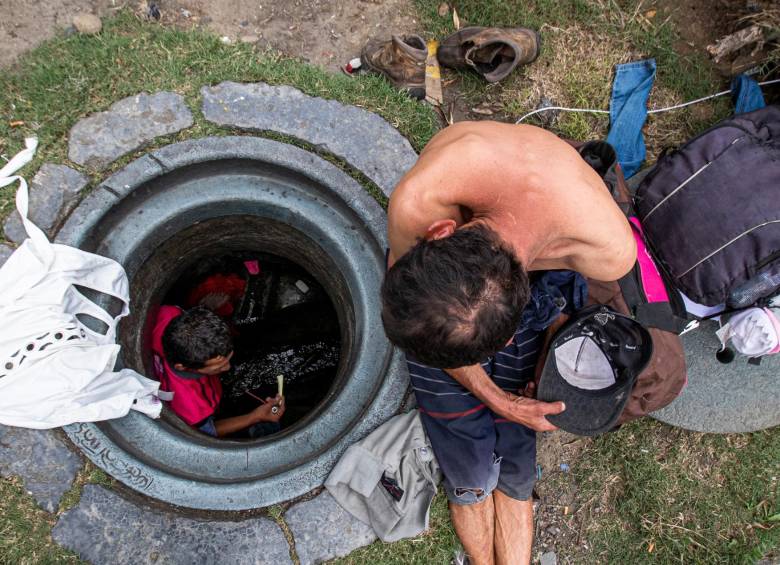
[(527, 411)]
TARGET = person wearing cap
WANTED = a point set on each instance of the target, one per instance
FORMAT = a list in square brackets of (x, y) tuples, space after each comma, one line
[(487, 206)]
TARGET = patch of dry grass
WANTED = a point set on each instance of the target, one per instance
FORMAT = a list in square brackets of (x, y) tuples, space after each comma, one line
[(582, 43), (768, 18), (576, 71)]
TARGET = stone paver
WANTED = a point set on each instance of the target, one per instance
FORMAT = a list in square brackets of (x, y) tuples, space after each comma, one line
[(362, 138), (54, 192), (323, 530), (5, 252), (44, 462), (104, 528), (129, 124), (88, 24)]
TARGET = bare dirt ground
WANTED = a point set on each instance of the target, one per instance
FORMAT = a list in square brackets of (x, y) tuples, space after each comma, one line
[(707, 21), (26, 23), (323, 32)]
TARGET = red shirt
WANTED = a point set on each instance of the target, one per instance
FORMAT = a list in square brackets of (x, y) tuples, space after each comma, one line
[(195, 396), (231, 285)]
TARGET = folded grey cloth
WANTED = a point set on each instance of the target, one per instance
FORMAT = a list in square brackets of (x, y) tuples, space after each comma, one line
[(389, 478)]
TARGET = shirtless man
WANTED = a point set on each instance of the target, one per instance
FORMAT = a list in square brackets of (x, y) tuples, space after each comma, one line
[(485, 205)]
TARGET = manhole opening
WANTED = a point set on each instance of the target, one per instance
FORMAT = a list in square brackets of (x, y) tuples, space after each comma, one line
[(282, 322), (241, 198), (307, 332)]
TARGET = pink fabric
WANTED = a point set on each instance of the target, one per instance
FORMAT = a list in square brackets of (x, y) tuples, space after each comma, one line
[(776, 325), (652, 282), (194, 400), (253, 267)]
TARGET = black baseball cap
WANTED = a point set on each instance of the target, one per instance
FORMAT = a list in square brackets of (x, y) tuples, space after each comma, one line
[(592, 365)]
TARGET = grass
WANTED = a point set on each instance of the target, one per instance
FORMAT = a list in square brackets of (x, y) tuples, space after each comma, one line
[(674, 496), (89, 474), (649, 493), (25, 528), (582, 42), (437, 545), (71, 77)]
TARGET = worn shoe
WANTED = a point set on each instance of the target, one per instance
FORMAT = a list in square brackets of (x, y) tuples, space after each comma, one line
[(492, 52), (401, 60)]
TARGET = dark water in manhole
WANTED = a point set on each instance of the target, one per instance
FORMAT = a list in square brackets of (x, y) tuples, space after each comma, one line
[(282, 321)]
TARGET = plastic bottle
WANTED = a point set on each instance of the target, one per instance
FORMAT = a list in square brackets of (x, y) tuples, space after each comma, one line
[(762, 285)]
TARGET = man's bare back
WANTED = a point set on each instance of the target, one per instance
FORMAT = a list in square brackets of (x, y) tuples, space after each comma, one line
[(526, 184)]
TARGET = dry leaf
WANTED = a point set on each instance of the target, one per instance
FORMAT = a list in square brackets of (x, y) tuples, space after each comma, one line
[(16, 123), (651, 547), (444, 9), (565, 510), (455, 19), (650, 14), (482, 111)]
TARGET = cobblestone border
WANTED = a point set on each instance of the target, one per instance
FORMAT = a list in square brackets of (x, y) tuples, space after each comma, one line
[(104, 527)]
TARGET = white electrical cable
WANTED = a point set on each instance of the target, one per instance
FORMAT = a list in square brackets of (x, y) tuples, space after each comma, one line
[(657, 111), (589, 111)]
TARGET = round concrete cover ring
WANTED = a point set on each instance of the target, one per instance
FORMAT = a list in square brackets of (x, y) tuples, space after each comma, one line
[(335, 225), (730, 398)]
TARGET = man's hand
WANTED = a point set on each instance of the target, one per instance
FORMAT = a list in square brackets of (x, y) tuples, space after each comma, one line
[(264, 412), (530, 412), (518, 409)]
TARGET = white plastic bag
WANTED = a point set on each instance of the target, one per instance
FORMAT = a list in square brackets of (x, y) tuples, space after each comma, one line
[(54, 369)]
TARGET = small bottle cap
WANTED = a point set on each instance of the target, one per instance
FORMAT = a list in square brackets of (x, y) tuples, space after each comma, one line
[(353, 65)]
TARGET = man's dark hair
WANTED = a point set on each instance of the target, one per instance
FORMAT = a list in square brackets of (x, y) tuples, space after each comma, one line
[(194, 337), (454, 301)]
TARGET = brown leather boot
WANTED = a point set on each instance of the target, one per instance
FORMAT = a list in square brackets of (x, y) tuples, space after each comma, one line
[(492, 52), (401, 60)]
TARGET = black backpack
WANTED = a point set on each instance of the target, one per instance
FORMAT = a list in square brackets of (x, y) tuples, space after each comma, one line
[(711, 211)]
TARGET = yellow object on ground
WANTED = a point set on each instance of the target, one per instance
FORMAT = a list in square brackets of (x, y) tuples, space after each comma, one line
[(433, 92)]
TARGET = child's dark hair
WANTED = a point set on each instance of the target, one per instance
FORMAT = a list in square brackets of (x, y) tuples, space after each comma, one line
[(196, 336)]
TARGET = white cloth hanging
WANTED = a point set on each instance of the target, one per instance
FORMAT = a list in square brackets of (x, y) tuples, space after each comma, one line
[(54, 369), (754, 332)]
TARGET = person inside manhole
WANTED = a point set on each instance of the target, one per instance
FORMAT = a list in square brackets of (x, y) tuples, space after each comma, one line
[(491, 228), (193, 348), (241, 331)]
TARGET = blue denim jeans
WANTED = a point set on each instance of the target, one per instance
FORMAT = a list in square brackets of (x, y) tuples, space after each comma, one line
[(628, 111), (746, 94)]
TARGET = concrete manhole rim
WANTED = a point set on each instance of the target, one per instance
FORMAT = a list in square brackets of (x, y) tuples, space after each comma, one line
[(181, 490)]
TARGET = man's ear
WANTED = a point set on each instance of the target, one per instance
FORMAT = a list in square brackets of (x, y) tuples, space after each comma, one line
[(179, 367), (440, 229)]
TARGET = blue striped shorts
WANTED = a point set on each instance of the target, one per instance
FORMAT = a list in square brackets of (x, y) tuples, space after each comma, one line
[(478, 451)]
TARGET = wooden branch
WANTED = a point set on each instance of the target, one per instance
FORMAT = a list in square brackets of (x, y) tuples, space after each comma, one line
[(735, 42)]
